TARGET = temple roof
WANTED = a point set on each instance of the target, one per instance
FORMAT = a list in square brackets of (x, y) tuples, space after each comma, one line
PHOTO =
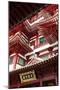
[(18, 11), (28, 20), (35, 62)]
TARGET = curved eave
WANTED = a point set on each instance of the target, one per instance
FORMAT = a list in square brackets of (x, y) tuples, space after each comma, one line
[(52, 61), (19, 46)]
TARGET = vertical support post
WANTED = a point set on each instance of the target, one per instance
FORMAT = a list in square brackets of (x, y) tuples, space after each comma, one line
[(36, 44), (15, 60), (40, 83), (50, 51)]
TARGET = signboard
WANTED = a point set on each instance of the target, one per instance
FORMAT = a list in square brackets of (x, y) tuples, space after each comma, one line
[(27, 76)]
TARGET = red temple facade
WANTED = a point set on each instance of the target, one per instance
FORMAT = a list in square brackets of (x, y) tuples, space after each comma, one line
[(33, 45)]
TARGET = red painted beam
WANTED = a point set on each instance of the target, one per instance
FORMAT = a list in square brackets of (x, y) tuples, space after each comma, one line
[(15, 29), (51, 8)]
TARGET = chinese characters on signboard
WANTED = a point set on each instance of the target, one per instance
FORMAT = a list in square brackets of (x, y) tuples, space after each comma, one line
[(27, 76)]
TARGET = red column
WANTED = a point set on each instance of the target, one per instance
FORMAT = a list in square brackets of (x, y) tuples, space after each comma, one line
[(36, 43), (50, 51), (15, 60)]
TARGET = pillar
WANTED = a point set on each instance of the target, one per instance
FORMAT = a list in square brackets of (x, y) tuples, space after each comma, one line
[(36, 43), (15, 60), (41, 83), (50, 49)]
